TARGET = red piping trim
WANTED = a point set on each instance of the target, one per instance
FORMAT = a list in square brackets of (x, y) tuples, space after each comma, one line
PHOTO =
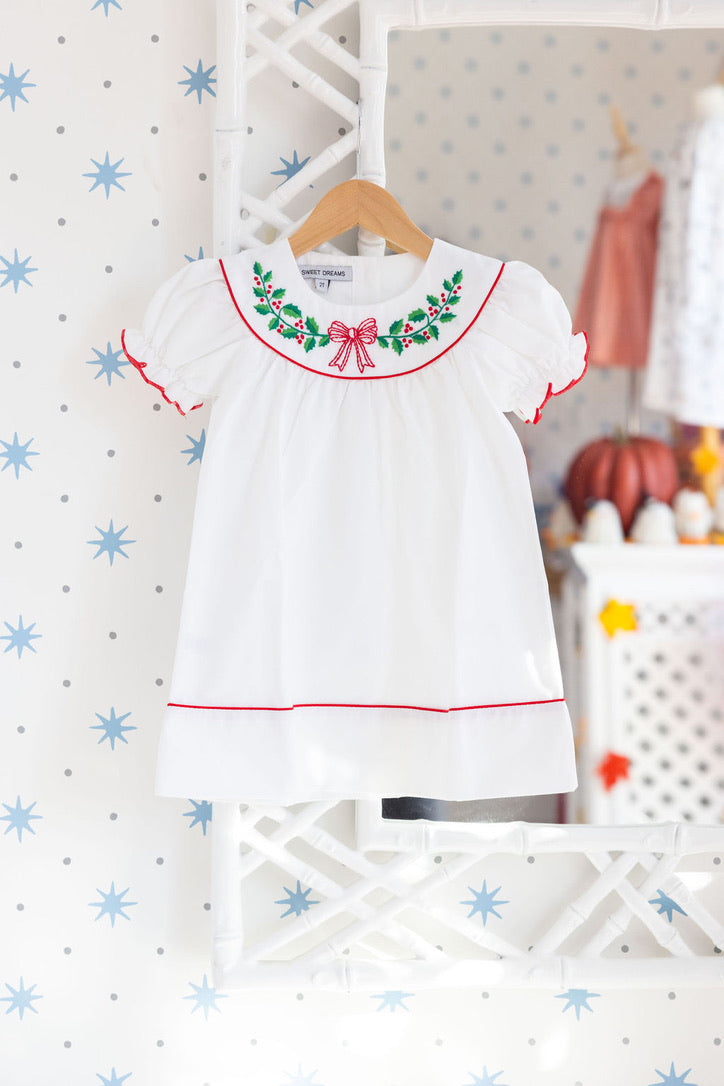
[(140, 366), (366, 377), (538, 411), (345, 705)]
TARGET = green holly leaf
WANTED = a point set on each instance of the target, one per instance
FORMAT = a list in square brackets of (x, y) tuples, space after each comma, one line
[(417, 315), (445, 317), (383, 342), (419, 338), (290, 333), (274, 324), (396, 346), (433, 301), (324, 341), (258, 270), (266, 277), (396, 327), (279, 292), (309, 344), (447, 284), (291, 310), (453, 299), (313, 327), (457, 277), (259, 292), (262, 308), (432, 329)]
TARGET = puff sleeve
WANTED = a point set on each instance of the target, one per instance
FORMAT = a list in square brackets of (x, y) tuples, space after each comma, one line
[(189, 337), (530, 353)]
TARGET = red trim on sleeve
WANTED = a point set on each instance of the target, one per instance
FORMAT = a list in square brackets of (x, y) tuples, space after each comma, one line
[(539, 410), (140, 366), (367, 376), (346, 705)]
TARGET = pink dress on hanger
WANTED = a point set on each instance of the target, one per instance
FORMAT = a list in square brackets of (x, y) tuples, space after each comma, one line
[(616, 296)]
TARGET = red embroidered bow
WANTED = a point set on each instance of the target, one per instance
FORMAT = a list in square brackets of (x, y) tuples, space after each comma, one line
[(364, 333)]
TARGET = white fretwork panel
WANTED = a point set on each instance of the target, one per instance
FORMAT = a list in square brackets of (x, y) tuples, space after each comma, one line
[(654, 695), (515, 904)]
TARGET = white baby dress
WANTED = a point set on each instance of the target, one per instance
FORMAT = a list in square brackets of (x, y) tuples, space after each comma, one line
[(366, 611)]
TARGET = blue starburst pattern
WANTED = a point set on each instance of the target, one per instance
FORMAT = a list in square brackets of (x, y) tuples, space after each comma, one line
[(196, 451), (484, 902), (298, 2), (107, 174), (114, 1080), (199, 81), (487, 1079), (193, 259), (200, 815), (12, 86), (16, 272), (578, 998), (205, 997), (112, 904), (666, 905), (392, 1000), (297, 901), (16, 454), (290, 168), (105, 4), (110, 363), (672, 1079), (300, 1079), (113, 727), (20, 999), (19, 817), (19, 637), (110, 542)]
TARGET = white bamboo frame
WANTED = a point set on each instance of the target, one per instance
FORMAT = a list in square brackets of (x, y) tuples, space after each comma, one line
[(240, 848)]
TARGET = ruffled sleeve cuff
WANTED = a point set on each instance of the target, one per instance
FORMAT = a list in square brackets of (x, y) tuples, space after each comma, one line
[(154, 371), (547, 379)]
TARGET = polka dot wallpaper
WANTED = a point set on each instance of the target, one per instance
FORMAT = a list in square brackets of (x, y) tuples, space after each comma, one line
[(106, 118)]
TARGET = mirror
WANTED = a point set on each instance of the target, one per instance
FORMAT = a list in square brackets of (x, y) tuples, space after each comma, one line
[(502, 140)]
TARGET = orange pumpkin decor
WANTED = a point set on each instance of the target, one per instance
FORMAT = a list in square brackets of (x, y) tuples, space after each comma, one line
[(625, 470)]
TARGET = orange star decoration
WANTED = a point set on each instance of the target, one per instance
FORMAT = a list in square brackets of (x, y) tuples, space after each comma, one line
[(613, 768), (618, 616), (704, 459)]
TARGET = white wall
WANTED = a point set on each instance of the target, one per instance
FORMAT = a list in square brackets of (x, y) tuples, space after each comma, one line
[(109, 1002)]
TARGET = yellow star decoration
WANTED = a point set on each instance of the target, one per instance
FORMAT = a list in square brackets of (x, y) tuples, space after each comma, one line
[(704, 459), (618, 616)]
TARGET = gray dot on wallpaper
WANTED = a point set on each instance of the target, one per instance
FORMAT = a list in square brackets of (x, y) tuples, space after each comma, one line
[(471, 64), (64, 497), (154, 37), (552, 150), (526, 178), (447, 147), (60, 129), (657, 100), (524, 121), (551, 96), (21, 728), (20, 906), (579, 234), (18, 545), (61, 222), (113, 816), (419, 63), (395, 145), (157, 407), (66, 588), (66, 682), (207, 905), (630, 71), (159, 860), (114, 996), (472, 120), (603, 44), (604, 153), (113, 635), (445, 91), (500, 204), (550, 40), (159, 682), (474, 176), (16, 364), (579, 179), (202, 177), (578, 124), (448, 204), (393, 90), (109, 268), (421, 175), (61, 40), (106, 83), (154, 222), (154, 129), (67, 950), (420, 117), (684, 74), (554, 261), (498, 93), (474, 232), (523, 67), (159, 950), (577, 69), (604, 98), (62, 317), (157, 497), (496, 37), (159, 588), (68, 772), (66, 861)]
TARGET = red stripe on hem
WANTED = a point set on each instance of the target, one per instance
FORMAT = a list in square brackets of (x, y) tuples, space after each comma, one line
[(366, 377), (539, 410), (352, 705), (140, 366)]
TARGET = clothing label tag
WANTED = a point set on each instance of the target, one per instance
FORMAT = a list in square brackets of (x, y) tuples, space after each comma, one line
[(341, 273), (322, 285)]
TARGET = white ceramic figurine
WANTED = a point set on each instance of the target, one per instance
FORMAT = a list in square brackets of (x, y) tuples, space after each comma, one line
[(602, 523), (693, 516), (654, 523)]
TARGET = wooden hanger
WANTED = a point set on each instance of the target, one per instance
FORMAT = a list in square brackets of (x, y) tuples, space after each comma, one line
[(620, 131), (360, 203)]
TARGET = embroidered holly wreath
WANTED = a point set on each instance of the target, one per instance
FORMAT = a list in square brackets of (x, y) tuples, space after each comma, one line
[(421, 325)]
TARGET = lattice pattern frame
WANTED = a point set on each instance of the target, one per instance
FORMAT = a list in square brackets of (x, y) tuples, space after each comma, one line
[(361, 933)]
